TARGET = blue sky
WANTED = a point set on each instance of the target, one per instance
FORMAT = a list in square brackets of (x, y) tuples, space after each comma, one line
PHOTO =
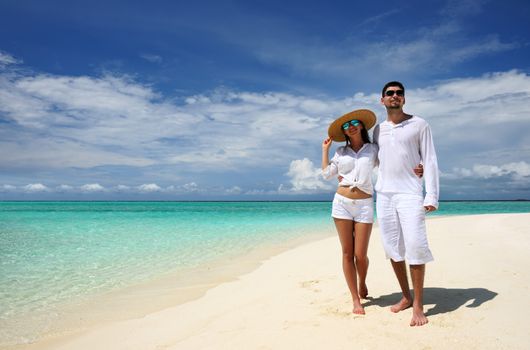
[(231, 99)]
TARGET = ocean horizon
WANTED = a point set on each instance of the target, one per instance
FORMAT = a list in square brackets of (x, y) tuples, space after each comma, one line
[(58, 252)]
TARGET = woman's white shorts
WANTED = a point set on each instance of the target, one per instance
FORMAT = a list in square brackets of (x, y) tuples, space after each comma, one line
[(401, 219), (358, 210)]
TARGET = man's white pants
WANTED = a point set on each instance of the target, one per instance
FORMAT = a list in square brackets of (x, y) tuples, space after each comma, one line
[(401, 219)]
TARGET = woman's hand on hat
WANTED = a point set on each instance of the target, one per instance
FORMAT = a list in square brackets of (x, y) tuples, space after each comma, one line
[(326, 144)]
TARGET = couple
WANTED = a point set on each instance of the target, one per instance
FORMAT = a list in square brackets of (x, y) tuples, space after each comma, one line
[(401, 144)]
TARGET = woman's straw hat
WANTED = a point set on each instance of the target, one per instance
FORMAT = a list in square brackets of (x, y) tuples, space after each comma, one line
[(366, 116)]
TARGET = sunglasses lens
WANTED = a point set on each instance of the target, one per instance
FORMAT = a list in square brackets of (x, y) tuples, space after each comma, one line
[(352, 123)]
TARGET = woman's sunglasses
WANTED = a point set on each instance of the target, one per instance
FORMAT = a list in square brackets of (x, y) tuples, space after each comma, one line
[(354, 122)]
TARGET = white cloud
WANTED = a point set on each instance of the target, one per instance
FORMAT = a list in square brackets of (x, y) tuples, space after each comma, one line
[(35, 188), (7, 59), (260, 192), (152, 58), (55, 151), (416, 51), (149, 188), (190, 187), (64, 188), (305, 177), (488, 171), (518, 170), (498, 97), (95, 123), (7, 188), (456, 173), (234, 190), (462, 7), (122, 188), (491, 44), (86, 122), (92, 188), (477, 117)]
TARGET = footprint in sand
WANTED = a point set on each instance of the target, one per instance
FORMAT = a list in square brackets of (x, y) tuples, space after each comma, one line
[(311, 285)]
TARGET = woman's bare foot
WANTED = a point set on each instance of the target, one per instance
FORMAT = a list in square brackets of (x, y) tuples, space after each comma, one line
[(418, 317), (403, 304), (358, 309), (363, 291)]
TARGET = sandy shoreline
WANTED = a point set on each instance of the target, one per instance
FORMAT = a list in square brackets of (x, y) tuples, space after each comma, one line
[(162, 292), (476, 298)]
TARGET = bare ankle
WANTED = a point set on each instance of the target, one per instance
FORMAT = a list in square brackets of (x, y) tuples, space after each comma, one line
[(358, 308), (401, 305), (363, 291)]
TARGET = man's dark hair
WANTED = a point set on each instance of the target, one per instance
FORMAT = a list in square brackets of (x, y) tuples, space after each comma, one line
[(392, 83)]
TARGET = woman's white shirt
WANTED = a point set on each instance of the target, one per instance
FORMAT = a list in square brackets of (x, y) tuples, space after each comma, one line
[(356, 168)]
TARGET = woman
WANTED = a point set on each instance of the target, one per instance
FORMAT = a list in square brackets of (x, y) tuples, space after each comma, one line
[(353, 206)]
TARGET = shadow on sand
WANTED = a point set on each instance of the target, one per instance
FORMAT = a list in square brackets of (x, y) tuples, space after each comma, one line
[(443, 299)]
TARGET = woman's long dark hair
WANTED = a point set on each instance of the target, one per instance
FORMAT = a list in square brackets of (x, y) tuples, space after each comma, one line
[(364, 135)]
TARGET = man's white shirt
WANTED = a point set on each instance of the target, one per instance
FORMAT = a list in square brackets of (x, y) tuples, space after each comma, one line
[(401, 148)]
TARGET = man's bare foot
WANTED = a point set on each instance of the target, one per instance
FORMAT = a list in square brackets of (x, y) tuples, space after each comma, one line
[(358, 309), (363, 291), (403, 304), (418, 318)]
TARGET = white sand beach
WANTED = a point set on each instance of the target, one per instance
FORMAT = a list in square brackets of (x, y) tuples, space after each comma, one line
[(476, 297)]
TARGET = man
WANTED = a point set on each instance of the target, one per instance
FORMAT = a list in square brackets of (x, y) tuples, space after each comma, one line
[(404, 141)]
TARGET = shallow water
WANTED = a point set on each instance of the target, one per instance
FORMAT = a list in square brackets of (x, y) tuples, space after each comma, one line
[(59, 252)]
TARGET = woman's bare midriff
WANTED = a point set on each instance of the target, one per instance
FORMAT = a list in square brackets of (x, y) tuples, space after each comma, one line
[(353, 193)]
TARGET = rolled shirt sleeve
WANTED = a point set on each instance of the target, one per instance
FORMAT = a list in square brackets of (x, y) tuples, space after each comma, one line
[(332, 169)]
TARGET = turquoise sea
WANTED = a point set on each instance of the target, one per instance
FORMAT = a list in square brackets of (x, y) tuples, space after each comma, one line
[(58, 252)]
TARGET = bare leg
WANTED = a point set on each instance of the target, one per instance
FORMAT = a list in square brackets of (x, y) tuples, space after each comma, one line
[(418, 274), (400, 269), (362, 239), (345, 231)]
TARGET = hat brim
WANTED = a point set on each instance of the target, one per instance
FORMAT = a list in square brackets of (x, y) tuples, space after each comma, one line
[(366, 116)]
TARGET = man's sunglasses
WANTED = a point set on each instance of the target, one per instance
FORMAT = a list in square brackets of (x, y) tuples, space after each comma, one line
[(354, 122), (392, 92)]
